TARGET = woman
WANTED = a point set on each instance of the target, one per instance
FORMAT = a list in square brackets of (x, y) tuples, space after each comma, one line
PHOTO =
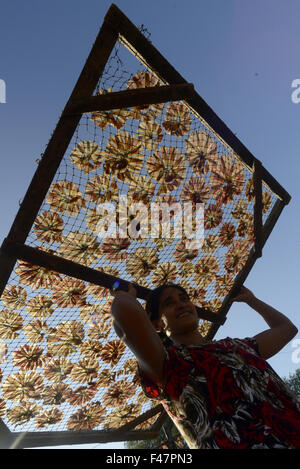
[(220, 394)]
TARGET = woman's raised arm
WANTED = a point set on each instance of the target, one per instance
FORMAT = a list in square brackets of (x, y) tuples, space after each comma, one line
[(281, 331), (134, 327)]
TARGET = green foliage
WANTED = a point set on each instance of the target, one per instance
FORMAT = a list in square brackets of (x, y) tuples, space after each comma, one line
[(293, 381)]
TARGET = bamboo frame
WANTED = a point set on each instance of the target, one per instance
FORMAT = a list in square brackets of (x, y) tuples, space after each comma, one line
[(117, 26)]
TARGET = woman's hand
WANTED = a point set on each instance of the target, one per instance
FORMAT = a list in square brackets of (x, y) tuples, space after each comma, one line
[(244, 295), (121, 295), (131, 293)]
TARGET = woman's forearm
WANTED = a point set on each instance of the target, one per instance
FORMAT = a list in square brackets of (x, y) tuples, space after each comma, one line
[(272, 317), (125, 307), (135, 329), (129, 316)]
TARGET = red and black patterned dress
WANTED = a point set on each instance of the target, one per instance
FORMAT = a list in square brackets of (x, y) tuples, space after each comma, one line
[(225, 395)]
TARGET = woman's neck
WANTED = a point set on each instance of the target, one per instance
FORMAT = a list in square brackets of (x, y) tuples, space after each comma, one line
[(190, 338)]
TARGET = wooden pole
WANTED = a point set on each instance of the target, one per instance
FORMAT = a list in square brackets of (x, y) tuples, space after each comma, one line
[(64, 266), (6, 438), (243, 274), (145, 51), (116, 25), (257, 183), (53, 438), (57, 147), (130, 98)]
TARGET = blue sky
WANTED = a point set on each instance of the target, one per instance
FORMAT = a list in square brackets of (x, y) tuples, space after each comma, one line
[(242, 58)]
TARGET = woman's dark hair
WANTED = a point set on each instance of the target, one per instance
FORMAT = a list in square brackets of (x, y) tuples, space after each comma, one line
[(152, 303)]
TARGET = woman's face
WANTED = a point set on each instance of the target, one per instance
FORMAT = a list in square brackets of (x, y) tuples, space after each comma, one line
[(177, 312)]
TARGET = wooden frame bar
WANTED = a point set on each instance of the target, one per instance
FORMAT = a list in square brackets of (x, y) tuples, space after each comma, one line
[(32, 439), (257, 183), (134, 40), (39, 439), (160, 421), (57, 146), (243, 274), (61, 137), (6, 438), (15, 440), (130, 98), (64, 266), (141, 418)]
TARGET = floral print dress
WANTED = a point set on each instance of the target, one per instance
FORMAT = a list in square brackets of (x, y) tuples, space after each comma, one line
[(225, 395)]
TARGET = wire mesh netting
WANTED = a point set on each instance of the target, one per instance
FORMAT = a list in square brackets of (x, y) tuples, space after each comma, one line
[(62, 365)]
